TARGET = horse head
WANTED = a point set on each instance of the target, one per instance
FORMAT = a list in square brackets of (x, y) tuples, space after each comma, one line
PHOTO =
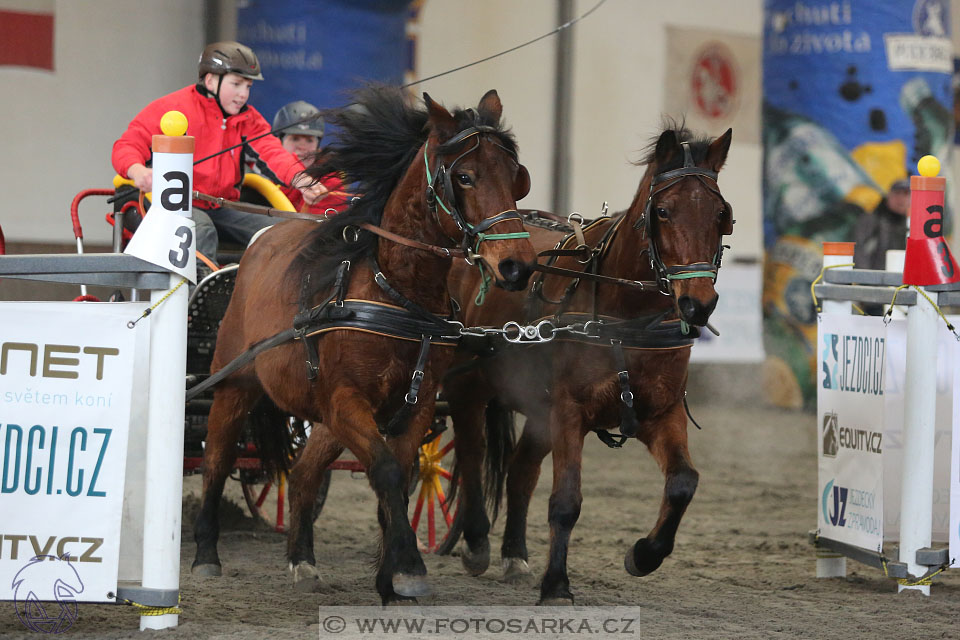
[(474, 180), (684, 219)]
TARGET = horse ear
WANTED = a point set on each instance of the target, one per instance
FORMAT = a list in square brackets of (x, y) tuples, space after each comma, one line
[(439, 118), (717, 151), (668, 146), (521, 186), (490, 106)]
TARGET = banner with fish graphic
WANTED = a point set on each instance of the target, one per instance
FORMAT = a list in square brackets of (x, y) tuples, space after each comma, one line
[(854, 93)]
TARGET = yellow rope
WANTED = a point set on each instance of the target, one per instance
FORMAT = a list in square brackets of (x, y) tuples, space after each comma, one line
[(922, 581), (889, 312), (146, 610), (816, 304), (133, 323)]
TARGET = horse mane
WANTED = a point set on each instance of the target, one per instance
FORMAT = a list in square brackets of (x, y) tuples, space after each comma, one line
[(378, 135)]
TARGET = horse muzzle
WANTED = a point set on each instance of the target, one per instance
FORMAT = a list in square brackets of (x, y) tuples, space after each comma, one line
[(695, 311)]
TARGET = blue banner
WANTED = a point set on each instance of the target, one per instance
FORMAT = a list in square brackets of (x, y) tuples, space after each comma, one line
[(318, 50), (855, 92)]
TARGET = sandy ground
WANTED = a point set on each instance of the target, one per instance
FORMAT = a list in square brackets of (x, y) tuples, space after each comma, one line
[(742, 567)]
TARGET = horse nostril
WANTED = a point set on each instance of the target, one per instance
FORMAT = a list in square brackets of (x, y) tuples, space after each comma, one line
[(511, 270), (687, 306)]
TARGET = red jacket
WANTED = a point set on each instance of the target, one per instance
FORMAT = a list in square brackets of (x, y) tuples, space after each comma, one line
[(221, 175), (335, 201)]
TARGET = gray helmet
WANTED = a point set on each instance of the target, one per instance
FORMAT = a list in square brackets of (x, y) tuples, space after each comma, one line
[(229, 57), (295, 112)]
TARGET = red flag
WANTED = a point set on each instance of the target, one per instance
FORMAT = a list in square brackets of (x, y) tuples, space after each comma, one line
[(26, 33)]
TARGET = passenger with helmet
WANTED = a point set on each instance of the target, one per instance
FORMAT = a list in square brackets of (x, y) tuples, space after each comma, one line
[(218, 117), (299, 125)]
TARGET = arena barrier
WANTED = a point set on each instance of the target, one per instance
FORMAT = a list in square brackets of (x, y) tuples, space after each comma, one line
[(856, 371), (93, 418)]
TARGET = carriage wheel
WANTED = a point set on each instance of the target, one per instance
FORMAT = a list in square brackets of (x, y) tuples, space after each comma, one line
[(437, 522), (267, 498)]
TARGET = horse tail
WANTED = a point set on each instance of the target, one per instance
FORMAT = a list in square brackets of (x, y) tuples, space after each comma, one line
[(270, 432), (501, 443)]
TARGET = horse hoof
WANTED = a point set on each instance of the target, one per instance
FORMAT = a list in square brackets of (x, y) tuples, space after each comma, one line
[(207, 570), (515, 570), (649, 559), (410, 586), (306, 578), (475, 562), (558, 601), (400, 601)]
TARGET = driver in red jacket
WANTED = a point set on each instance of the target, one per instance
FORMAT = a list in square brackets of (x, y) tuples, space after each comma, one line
[(218, 117)]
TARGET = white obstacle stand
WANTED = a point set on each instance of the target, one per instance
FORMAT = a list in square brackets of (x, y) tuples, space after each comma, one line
[(172, 188), (841, 286)]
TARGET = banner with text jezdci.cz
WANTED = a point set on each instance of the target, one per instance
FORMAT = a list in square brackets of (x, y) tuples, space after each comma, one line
[(66, 372)]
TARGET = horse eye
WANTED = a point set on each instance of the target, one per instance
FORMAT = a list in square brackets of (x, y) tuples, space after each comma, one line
[(662, 213), (464, 180)]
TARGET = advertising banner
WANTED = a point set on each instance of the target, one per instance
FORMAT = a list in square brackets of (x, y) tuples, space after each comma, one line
[(850, 391), (854, 93), (66, 371), (317, 51)]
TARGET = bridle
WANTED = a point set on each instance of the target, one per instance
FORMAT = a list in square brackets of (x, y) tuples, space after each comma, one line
[(440, 187), (664, 274)]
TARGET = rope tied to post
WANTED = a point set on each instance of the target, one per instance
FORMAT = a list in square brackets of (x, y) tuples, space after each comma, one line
[(147, 610), (816, 303), (888, 314), (148, 311), (923, 581)]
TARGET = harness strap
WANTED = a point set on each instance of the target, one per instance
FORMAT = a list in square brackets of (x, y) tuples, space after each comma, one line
[(443, 252), (307, 316), (400, 420), (405, 302), (628, 419), (240, 361)]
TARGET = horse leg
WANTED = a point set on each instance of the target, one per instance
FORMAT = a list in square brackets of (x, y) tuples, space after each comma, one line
[(523, 473), (227, 416), (668, 446), (467, 412), (401, 569), (564, 508), (303, 482)]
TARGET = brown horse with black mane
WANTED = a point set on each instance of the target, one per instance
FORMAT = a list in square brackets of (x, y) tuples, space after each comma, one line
[(618, 355), (363, 300)]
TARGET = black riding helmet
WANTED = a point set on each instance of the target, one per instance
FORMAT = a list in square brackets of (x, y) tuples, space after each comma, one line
[(295, 118), (221, 58)]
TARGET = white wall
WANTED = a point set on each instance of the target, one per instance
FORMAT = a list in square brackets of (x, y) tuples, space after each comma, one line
[(619, 71), (111, 58)]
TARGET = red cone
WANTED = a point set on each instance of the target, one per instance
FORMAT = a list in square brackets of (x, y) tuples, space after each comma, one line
[(928, 259)]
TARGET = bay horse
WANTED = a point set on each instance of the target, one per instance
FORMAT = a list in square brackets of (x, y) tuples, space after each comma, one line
[(363, 297), (618, 356)]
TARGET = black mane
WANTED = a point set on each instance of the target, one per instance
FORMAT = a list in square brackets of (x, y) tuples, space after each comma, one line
[(379, 134), (698, 145)]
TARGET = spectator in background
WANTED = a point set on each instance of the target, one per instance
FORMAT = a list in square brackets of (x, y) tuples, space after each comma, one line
[(883, 229)]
